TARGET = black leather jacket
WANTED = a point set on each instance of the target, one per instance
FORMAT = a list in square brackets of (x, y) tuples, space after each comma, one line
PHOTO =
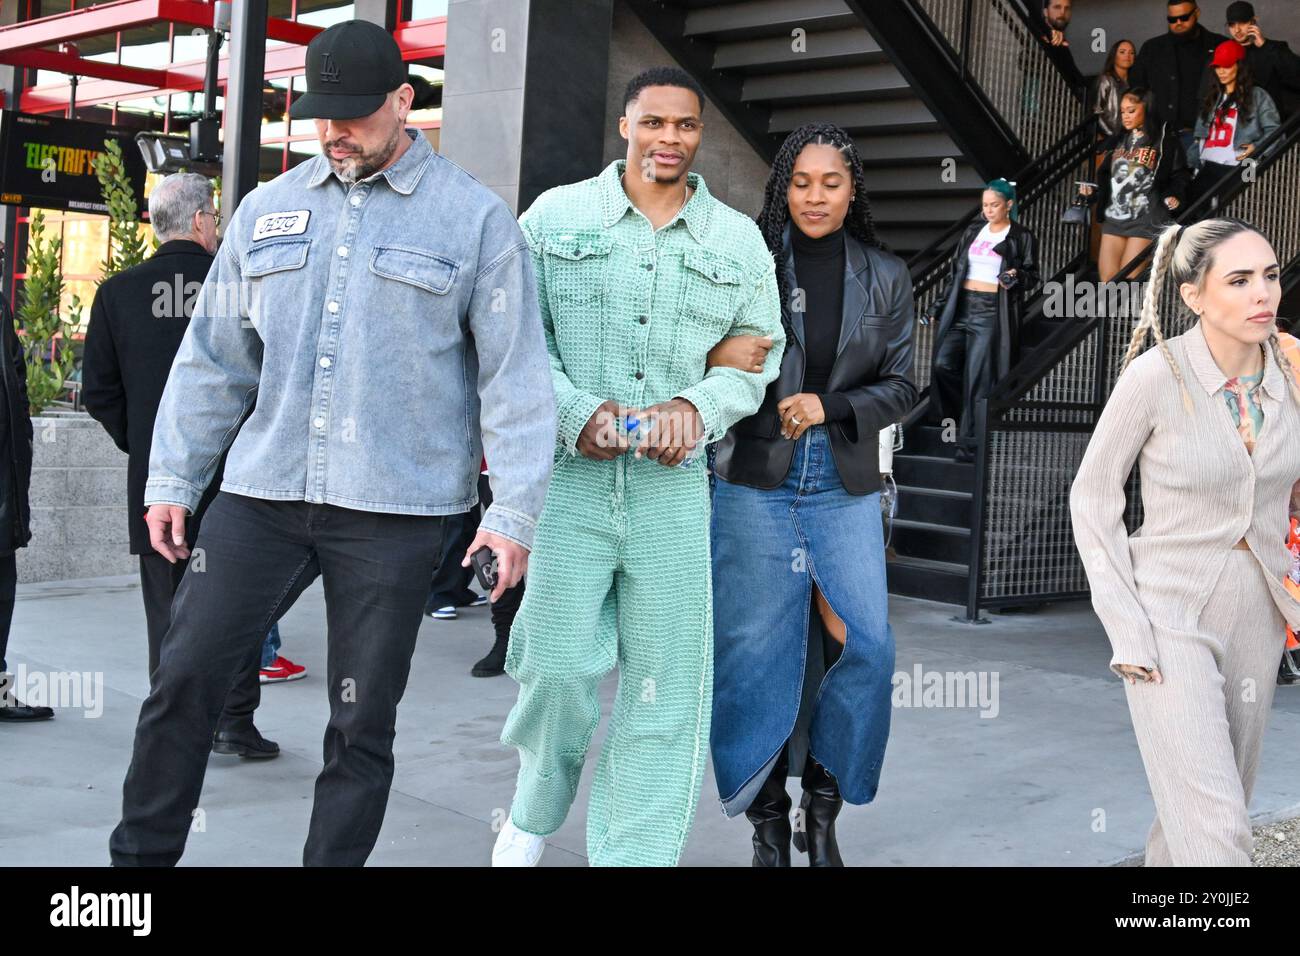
[(1019, 251), (873, 370)]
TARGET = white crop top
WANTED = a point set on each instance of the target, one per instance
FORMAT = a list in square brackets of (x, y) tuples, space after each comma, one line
[(985, 265)]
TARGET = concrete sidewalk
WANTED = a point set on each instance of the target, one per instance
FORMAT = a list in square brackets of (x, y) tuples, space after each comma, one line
[(1053, 779)]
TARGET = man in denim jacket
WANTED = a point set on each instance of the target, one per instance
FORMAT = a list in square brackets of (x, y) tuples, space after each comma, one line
[(380, 307), (641, 272)]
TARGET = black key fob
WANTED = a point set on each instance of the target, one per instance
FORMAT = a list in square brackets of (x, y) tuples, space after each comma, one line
[(484, 563)]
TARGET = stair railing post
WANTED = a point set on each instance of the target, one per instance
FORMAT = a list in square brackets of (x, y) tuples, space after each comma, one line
[(966, 28), (975, 561)]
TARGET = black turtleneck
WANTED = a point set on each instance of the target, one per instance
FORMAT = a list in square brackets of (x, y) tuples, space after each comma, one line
[(819, 270)]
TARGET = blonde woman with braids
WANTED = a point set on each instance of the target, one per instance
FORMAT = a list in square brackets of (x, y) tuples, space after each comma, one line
[(1193, 602)]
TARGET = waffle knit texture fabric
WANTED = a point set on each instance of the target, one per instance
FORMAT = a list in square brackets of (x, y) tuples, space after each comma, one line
[(620, 569)]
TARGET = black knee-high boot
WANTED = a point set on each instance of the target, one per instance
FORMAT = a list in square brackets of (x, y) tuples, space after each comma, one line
[(818, 809), (770, 815), (821, 801)]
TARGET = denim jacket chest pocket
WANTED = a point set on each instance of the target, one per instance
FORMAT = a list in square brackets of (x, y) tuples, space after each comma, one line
[(710, 290), (577, 267), (417, 269), (278, 263)]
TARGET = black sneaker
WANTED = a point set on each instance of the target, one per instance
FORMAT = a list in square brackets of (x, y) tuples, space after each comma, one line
[(249, 744)]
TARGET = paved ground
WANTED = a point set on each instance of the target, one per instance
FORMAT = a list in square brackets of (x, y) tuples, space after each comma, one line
[(1053, 778)]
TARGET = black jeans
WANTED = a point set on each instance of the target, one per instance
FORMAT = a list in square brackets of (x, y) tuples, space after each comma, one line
[(963, 367), (1211, 177), (8, 594), (258, 557), (159, 579)]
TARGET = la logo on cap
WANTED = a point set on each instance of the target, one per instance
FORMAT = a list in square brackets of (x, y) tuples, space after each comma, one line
[(329, 70)]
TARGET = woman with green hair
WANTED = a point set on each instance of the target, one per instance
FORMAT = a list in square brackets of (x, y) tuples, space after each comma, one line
[(995, 263)]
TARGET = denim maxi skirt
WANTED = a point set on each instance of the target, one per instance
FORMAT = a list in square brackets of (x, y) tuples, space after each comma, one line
[(769, 547)]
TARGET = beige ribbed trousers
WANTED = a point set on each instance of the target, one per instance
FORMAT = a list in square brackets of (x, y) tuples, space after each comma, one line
[(1200, 731)]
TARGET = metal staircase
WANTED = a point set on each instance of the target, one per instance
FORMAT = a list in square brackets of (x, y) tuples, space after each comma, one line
[(1037, 423), (904, 77)]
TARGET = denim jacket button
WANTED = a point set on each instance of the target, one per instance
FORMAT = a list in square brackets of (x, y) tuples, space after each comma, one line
[(333, 307), (343, 251), (355, 200), (325, 361), (319, 422)]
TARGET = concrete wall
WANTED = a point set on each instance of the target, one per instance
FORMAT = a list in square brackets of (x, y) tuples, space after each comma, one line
[(1144, 19), (483, 91), (734, 172), (78, 502)]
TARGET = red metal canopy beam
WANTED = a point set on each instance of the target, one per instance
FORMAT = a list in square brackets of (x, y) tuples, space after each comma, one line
[(418, 41), (75, 65), (71, 24), (125, 14)]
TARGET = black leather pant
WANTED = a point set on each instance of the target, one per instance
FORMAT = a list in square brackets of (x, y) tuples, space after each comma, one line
[(963, 372)]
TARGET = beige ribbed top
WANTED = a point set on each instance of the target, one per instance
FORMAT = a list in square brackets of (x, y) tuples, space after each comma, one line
[(1202, 492)]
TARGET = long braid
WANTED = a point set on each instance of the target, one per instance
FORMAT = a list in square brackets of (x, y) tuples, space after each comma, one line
[(776, 207), (1150, 313)]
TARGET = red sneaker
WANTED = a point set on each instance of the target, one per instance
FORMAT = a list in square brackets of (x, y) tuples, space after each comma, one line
[(281, 670)]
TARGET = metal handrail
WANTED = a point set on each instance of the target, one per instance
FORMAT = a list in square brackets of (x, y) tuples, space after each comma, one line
[(992, 40), (1044, 188)]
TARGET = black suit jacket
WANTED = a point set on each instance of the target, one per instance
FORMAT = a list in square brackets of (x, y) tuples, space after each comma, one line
[(137, 321), (873, 370), (1177, 73), (16, 444)]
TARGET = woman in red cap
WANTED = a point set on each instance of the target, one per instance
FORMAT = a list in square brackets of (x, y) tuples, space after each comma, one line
[(1235, 117)]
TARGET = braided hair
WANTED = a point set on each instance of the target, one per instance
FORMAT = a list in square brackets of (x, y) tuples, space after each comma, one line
[(1187, 253), (776, 205)]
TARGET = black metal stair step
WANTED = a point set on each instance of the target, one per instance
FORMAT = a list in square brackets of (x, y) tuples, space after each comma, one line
[(930, 471), (927, 440), (936, 542), (766, 18), (941, 581), (775, 54), (876, 117), (934, 506), (834, 84)]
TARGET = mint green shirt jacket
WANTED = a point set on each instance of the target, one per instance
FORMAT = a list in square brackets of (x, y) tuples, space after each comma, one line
[(631, 312)]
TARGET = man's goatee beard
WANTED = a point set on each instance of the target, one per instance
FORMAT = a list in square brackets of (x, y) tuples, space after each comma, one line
[(365, 164)]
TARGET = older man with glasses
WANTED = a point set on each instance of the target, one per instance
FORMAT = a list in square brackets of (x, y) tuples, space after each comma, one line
[(136, 325)]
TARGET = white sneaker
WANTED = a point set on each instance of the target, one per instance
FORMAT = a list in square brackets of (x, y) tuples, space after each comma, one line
[(514, 847)]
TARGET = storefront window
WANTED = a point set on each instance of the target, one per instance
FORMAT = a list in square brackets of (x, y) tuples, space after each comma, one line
[(427, 81), (147, 47), (190, 43), (423, 9), (325, 13)]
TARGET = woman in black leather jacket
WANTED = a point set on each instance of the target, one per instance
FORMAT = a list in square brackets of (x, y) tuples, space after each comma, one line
[(994, 267), (796, 513)]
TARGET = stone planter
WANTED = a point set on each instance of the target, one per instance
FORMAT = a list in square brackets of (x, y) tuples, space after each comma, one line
[(78, 502)]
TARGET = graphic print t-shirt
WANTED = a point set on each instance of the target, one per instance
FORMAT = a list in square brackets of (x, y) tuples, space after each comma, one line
[(1133, 179), (1217, 147)]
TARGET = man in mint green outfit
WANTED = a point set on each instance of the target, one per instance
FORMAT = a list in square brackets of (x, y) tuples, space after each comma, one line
[(640, 273)]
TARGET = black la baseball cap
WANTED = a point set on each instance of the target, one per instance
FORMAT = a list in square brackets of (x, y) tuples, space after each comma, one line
[(351, 67)]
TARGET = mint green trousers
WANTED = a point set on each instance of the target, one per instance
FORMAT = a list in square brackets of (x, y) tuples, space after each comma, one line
[(619, 574)]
